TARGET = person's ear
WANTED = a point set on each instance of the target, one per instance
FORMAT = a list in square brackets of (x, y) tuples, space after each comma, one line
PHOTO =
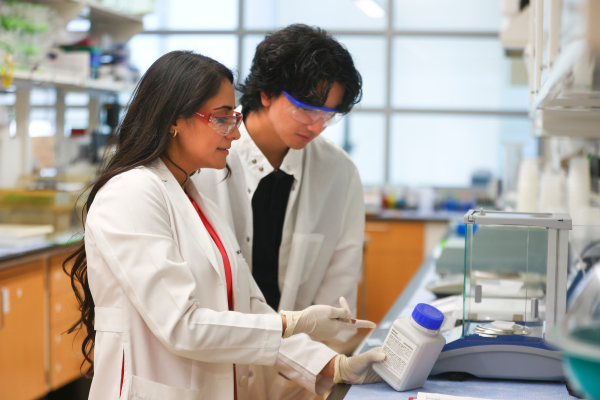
[(266, 99), (174, 129)]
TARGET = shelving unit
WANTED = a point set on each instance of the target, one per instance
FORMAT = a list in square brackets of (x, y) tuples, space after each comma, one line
[(119, 26), (105, 22), (66, 82), (565, 99)]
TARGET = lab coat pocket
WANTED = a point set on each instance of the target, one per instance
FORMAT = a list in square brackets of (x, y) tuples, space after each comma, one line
[(303, 255), (148, 390)]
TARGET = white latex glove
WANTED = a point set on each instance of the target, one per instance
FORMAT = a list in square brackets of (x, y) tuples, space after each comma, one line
[(322, 322), (358, 369)]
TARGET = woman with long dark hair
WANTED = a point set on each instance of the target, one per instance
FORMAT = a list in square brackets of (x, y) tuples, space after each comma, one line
[(168, 302)]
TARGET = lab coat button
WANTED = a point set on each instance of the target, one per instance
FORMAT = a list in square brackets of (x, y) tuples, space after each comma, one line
[(248, 239), (249, 191), (260, 169), (254, 161), (243, 381)]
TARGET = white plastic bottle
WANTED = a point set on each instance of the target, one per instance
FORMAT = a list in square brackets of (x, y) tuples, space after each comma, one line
[(412, 346)]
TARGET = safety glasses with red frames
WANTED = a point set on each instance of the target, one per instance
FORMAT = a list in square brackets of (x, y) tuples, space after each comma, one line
[(309, 115), (223, 124)]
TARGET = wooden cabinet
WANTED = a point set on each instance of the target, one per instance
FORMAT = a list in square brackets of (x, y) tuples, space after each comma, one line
[(36, 353), (65, 349), (22, 333), (393, 254)]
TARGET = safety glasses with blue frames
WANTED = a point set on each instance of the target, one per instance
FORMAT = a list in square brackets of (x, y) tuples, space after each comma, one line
[(310, 115)]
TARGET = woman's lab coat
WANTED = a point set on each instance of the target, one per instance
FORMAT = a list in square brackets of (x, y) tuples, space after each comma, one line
[(159, 288)]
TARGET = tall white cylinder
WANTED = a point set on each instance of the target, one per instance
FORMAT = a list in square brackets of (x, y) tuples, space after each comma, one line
[(578, 184), (527, 192)]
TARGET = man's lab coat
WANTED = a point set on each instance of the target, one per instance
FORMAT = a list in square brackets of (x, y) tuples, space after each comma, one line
[(323, 232)]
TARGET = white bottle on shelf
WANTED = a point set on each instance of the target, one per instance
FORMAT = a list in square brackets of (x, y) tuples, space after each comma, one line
[(412, 346)]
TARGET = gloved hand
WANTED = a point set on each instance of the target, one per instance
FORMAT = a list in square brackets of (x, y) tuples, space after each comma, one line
[(358, 369), (322, 322)]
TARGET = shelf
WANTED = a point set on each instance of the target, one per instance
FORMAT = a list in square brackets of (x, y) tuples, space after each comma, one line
[(562, 89), (41, 78), (103, 20), (580, 123), (567, 104), (67, 9), (119, 26)]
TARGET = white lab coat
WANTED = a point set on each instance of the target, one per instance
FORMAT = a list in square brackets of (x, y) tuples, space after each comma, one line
[(323, 231), (159, 288)]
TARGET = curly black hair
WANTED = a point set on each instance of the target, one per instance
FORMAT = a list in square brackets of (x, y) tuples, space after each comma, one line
[(305, 62)]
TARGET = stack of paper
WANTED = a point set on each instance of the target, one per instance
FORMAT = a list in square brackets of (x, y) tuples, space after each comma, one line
[(23, 235), (436, 396)]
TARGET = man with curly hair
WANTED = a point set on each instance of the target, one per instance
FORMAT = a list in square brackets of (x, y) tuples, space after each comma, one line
[(294, 198)]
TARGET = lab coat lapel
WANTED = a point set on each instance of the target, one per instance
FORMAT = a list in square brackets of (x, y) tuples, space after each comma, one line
[(186, 209), (220, 227)]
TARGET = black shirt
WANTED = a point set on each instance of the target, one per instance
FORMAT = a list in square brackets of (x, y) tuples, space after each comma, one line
[(268, 210)]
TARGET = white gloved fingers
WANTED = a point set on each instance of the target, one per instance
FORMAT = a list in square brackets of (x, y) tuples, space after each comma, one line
[(339, 313), (355, 369), (361, 323), (370, 357), (322, 322), (344, 303), (371, 377)]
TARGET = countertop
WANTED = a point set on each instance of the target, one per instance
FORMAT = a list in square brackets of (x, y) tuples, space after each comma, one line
[(415, 215), (59, 241), (415, 293), (9, 254)]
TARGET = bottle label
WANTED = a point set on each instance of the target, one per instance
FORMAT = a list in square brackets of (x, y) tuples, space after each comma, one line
[(398, 352)]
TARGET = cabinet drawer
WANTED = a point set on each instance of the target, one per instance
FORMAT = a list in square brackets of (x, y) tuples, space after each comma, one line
[(59, 281), (22, 366), (65, 356), (63, 309)]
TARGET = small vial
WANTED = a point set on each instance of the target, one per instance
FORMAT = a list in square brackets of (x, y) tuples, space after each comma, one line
[(412, 346)]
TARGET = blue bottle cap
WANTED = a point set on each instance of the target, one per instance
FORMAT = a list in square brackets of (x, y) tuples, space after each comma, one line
[(428, 316)]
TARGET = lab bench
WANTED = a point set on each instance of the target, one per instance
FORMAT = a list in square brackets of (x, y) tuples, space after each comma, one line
[(414, 293), (37, 307)]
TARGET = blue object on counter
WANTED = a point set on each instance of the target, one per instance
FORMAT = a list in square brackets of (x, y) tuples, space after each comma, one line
[(428, 316), (461, 229)]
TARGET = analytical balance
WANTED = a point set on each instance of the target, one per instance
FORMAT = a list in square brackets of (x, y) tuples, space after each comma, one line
[(515, 290)]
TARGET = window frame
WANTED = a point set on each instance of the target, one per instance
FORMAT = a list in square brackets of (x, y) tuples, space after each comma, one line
[(389, 33)]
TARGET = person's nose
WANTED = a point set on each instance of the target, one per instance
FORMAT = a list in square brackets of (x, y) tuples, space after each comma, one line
[(316, 127), (234, 134)]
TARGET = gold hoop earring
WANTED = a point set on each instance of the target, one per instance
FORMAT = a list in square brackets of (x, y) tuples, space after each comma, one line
[(175, 133)]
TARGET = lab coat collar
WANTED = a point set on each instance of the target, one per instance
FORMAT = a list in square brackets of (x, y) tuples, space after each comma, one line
[(185, 207), (254, 159)]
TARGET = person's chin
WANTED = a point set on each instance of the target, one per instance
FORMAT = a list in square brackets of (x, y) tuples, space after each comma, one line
[(300, 142)]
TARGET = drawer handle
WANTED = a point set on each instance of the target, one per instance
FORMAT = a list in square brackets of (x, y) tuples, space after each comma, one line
[(2, 308), (58, 307)]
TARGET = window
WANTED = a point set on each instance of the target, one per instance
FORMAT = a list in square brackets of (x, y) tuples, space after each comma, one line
[(454, 73), (444, 149), (435, 77), (369, 55), (444, 15), (330, 14)]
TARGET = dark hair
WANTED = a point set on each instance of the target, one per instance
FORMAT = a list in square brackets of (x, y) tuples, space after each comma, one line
[(305, 62), (176, 86)]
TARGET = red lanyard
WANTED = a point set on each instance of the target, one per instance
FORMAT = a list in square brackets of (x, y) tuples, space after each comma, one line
[(221, 248)]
